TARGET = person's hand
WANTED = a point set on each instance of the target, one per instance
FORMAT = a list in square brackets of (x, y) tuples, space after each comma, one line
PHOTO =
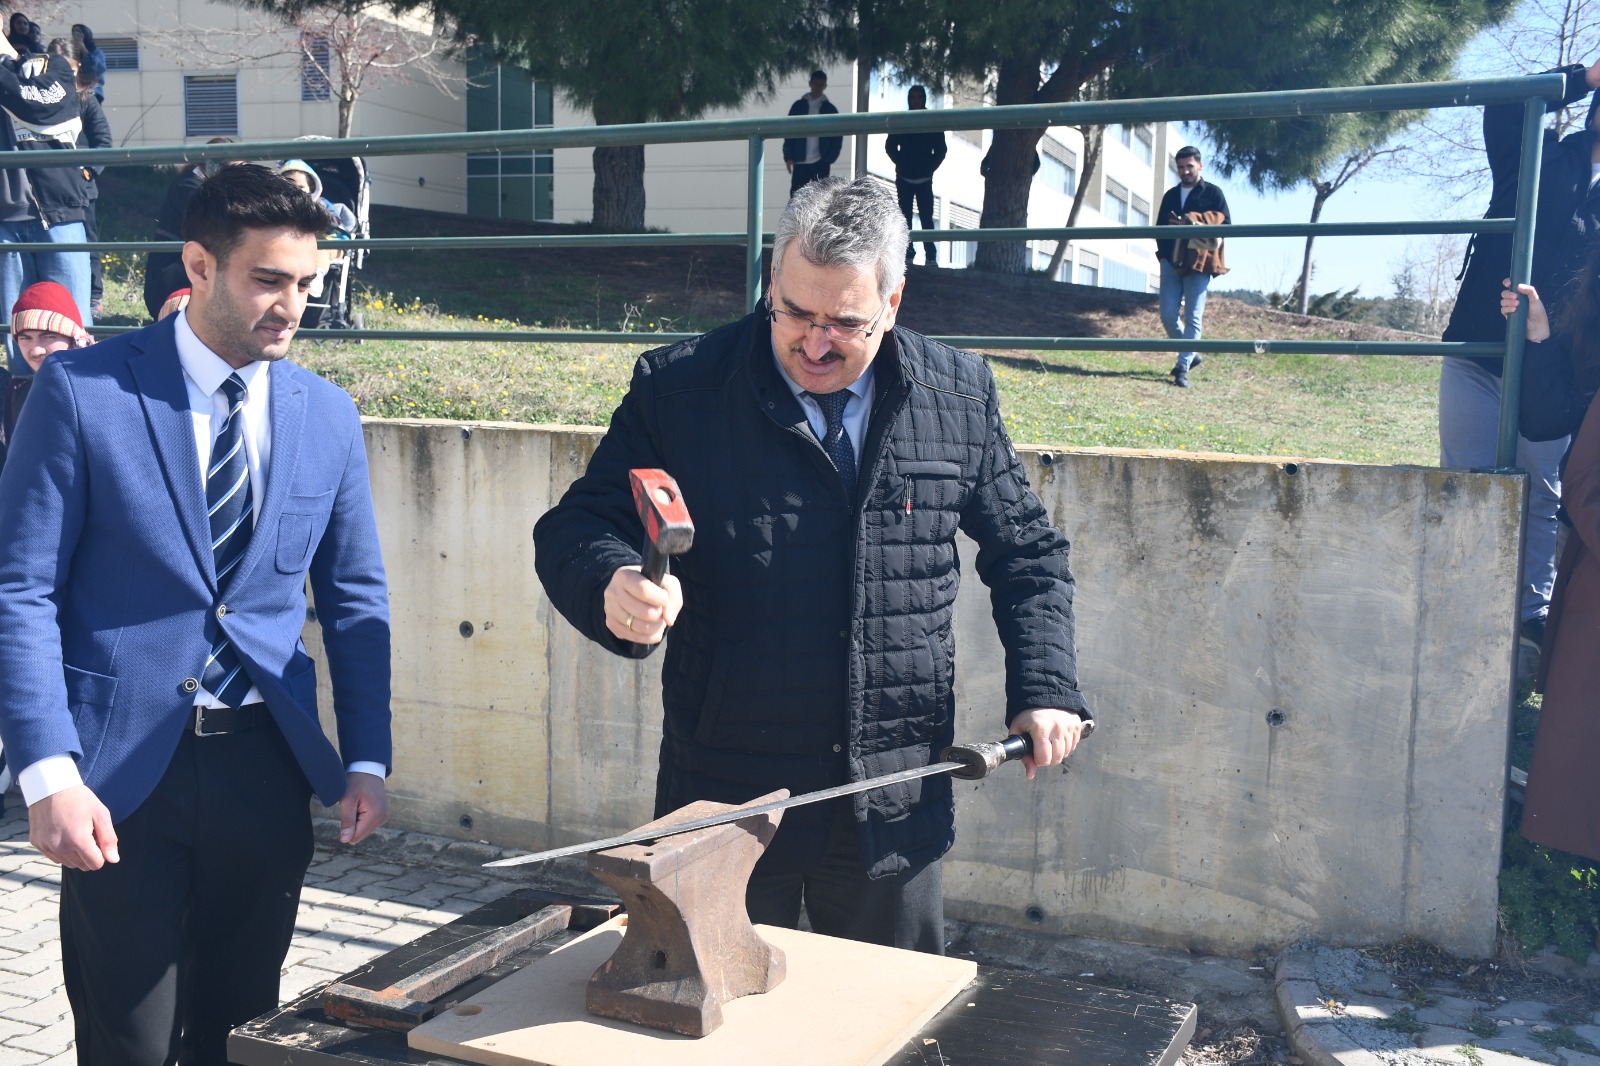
[(73, 827), (1538, 318), (1055, 734), (789, 165), (6, 49), (640, 610), (1592, 75), (363, 808)]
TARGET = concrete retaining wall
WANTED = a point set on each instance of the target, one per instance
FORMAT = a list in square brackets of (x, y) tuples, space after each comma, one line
[(1301, 671)]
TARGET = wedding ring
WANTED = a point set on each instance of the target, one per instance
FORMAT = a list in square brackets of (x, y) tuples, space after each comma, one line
[(630, 622)]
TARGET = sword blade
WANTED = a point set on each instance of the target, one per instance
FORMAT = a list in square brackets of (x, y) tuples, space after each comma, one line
[(737, 814)]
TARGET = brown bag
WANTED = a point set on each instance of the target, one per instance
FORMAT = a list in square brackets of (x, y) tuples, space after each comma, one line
[(1200, 255)]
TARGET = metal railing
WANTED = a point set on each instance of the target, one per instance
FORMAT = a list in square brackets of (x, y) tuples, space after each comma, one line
[(1531, 92)]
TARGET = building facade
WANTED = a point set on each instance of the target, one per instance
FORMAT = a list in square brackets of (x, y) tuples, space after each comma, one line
[(186, 71)]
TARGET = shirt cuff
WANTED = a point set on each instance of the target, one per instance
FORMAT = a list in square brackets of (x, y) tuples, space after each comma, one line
[(376, 769), (52, 774)]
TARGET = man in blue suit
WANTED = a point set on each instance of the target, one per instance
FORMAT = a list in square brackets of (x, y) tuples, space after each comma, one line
[(167, 496)]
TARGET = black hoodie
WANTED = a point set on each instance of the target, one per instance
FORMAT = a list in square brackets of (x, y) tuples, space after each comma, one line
[(40, 101)]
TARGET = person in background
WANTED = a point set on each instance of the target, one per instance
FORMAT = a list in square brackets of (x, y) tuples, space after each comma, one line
[(916, 156), (1561, 376), (44, 320), (310, 182), (96, 134), (90, 56), (1567, 220), (23, 35), (1183, 286), (163, 271), (41, 204), (809, 158)]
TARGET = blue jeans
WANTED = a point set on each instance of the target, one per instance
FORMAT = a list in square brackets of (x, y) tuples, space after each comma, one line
[(1469, 428), (18, 270), (1189, 291)]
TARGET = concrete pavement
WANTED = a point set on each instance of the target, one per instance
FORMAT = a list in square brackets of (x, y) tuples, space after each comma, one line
[(361, 902)]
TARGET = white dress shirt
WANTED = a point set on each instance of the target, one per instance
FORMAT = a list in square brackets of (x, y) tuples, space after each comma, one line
[(204, 371)]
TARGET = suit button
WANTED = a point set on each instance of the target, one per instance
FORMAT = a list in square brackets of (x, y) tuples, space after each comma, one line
[(838, 747), (190, 685), (222, 610)]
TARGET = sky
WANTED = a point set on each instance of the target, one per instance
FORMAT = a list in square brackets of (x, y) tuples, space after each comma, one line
[(1273, 264)]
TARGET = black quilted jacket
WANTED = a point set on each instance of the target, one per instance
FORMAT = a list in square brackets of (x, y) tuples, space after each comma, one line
[(815, 643)]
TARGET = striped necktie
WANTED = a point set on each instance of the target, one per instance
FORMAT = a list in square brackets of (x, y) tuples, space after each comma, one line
[(836, 442), (231, 508)]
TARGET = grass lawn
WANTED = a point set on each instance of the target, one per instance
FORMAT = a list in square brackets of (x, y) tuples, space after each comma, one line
[(1372, 409)]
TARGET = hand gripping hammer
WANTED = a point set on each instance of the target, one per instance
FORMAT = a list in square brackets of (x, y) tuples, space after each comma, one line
[(667, 528)]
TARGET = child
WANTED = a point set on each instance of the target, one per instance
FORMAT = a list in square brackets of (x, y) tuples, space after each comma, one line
[(45, 319)]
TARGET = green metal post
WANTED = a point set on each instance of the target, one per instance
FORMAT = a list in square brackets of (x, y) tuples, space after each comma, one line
[(1521, 270), (752, 222)]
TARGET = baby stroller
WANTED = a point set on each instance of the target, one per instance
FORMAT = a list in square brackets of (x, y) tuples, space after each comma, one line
[(345, 181)]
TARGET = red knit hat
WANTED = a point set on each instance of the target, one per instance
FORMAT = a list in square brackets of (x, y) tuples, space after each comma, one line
[(49, 306)]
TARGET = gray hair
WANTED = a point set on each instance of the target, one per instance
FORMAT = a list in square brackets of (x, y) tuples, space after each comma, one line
[(838, 223)]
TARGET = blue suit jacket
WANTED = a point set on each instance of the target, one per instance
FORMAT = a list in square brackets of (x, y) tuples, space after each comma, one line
[(108, 592)]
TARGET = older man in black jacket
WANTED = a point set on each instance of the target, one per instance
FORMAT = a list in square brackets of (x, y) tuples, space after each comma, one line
[(828, 458)]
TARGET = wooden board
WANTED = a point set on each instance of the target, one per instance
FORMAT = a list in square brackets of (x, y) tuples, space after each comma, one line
[(842, 1003)]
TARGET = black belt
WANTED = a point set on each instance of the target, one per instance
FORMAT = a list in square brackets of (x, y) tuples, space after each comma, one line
[(220, 721)]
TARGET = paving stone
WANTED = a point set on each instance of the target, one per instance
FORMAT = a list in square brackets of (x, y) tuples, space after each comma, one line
[(42, 1012), (34, 962), (51, 1040), (1442, 1041), (1527, 1011), (10, 1056), (11, 1030), (1590, 1033)]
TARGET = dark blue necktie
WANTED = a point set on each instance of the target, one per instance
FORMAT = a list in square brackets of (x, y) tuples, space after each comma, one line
[(836, 442), (230, 506)]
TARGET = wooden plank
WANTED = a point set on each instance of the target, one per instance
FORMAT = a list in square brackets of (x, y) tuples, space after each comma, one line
[(843, 1002)]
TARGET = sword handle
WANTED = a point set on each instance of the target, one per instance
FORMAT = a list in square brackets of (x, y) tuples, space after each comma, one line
[(980, 760)]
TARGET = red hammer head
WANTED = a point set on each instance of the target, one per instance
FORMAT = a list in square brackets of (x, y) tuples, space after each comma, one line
[(667, 528)]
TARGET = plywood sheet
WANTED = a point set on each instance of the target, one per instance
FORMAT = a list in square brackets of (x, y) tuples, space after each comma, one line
[(842, 1003)]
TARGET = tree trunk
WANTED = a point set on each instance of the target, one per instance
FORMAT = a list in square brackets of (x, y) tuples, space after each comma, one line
[(1008, 173), (866, 58), (1005, 199), (347, 111), (1094, 139), (1303, 304), (619, 189)]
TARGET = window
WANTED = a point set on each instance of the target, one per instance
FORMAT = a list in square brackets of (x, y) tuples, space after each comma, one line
[(122, 53), (510, 184), (1144, 145), (1116, 202), (1125, 135), (1088, 268), (961, 253), (210, 105), (1139, 212), (1057, 176), (316, 63)]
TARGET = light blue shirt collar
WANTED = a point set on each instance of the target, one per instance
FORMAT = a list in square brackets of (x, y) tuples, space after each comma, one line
[(855, 412)]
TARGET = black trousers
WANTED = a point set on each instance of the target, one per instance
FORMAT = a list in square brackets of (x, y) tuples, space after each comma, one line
[(903, 911), (97, 270), (184, 939), (805, 174), (919, 194)]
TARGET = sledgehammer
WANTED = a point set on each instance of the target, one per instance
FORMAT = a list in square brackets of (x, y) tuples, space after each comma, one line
[(667, 528)]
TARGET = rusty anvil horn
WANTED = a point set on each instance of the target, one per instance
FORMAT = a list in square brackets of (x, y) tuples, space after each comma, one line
[(667, 527)]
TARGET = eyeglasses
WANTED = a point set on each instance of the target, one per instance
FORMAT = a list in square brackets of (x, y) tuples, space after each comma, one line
[(832, 330)]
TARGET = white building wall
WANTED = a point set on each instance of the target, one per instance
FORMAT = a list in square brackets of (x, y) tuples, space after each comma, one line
[(146, 107)]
